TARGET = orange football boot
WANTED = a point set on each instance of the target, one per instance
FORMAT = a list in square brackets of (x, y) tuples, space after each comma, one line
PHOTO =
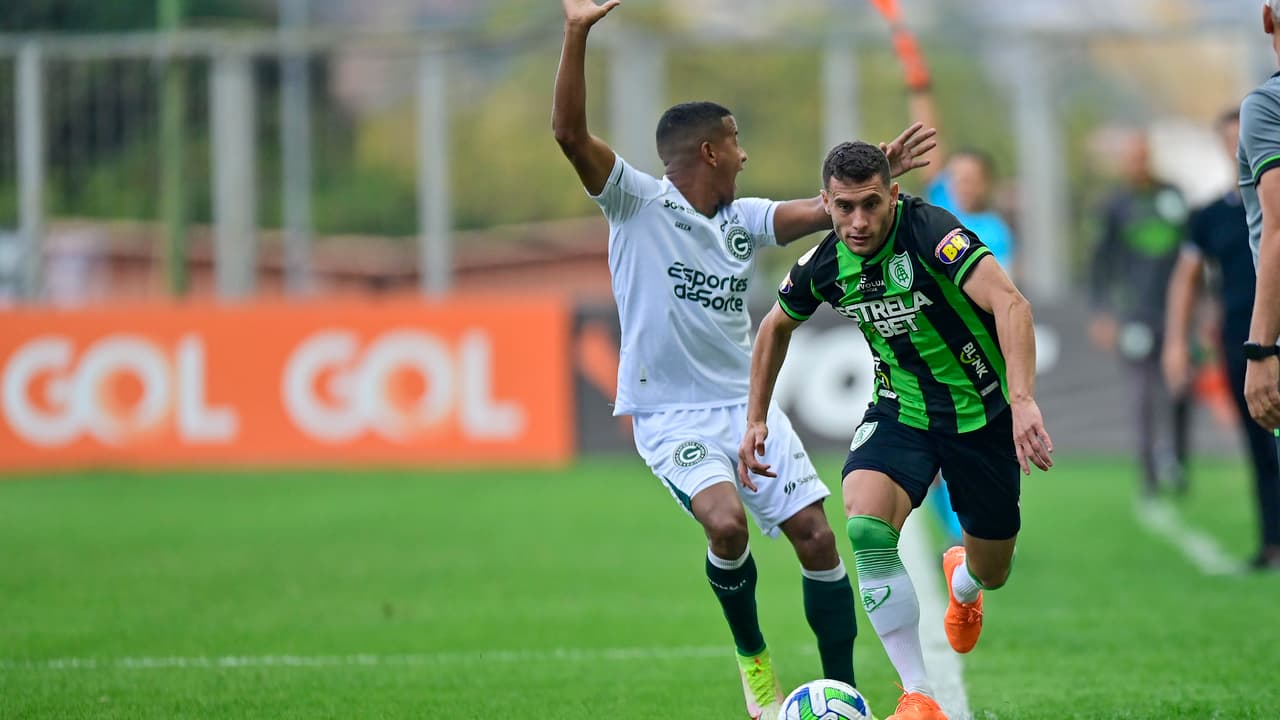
[(963, 621), (917, 706)]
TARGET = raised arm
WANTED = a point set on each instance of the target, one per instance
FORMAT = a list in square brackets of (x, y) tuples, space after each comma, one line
[(1184, 286), (795, 219), (766, 361), (592, 158), (922, 107), (990, 288)]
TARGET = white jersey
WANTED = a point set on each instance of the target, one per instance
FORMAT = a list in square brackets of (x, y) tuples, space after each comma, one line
[(680, 280)]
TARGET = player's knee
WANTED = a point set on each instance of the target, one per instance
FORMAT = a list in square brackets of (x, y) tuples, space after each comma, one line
[(727, 533), (814, 542), (867, 532)]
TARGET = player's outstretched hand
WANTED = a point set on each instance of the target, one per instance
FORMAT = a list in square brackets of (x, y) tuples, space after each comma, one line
[(906, 152), (586, 12), (749, 453), (1030, 438)]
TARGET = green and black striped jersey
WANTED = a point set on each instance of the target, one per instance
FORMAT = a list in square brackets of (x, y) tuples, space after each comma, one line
[(938, 359)]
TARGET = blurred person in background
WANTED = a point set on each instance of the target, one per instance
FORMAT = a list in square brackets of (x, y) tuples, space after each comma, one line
[(682, 255), (1143, 224), (1219, 236), (1258, 155), (964, 186)]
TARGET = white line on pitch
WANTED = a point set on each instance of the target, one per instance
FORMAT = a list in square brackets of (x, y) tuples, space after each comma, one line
[(479, 657), (1161, 518), (924, 564)]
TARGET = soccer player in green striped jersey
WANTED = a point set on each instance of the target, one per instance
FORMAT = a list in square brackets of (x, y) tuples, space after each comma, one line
[(955, 362)]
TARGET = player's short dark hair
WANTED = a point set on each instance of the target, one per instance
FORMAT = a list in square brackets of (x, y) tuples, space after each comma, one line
[(855, 162), (980, 156), (685, 126)]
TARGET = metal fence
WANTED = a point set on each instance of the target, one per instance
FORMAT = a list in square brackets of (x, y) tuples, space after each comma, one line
[(415, 135)]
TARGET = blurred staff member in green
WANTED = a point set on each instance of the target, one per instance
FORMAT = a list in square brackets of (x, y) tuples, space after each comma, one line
[(1143, 225)]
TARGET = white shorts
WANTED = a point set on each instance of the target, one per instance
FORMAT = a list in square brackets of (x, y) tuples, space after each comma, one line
[(691, 450)]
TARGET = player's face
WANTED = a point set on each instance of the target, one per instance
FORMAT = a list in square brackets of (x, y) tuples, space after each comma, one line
[(730, 159), (968, 183), (861, 212)]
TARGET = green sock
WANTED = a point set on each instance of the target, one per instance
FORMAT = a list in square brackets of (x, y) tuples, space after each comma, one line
[(734, 583), (828, 606)]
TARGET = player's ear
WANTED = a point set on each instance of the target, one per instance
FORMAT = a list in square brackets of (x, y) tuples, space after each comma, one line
[(708, 153), (1268, 20), (826, 200), (893, 194)]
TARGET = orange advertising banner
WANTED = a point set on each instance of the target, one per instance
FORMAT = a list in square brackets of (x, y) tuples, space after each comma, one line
[(402, 381)]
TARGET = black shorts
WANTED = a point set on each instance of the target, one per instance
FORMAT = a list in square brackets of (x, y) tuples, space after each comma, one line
[(980, 467)]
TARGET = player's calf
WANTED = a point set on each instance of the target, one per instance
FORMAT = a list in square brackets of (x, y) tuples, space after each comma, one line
[(828, 596), (889, 597)]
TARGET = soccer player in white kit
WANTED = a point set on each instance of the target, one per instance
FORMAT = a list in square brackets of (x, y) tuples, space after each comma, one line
[(682, 256)]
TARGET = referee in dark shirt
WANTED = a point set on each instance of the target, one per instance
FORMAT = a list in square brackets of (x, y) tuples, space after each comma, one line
[(1219, 237)]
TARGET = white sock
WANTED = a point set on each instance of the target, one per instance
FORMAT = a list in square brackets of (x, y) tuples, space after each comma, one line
[(723, 564), (891, 604), (966, 589), (835, 574)]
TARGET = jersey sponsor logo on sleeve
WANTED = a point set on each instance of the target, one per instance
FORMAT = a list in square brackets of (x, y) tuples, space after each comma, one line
[(786, 285), (690, 453), (738, 242), (953, 247)]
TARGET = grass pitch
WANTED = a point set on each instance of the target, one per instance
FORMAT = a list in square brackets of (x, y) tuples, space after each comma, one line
[(574, 594)]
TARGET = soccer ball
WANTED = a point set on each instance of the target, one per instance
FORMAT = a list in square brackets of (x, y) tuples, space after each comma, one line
[(825, 700)]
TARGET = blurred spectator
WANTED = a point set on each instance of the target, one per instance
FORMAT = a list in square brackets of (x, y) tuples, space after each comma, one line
[(1219, 236), (1143, 224)]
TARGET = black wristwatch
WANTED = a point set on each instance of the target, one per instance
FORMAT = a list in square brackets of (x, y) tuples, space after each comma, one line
[(1258, 351)]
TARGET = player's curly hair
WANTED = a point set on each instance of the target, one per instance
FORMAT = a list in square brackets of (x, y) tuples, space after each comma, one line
[(855, 162)]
